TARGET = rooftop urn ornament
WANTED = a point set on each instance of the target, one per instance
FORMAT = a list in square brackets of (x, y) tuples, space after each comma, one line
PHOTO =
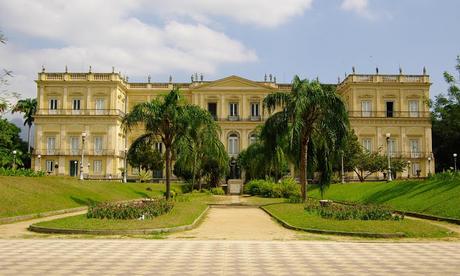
[(271, 77), (274, 79), (113, 69), (191, 77), (43, 68), (66, 69), (377, 70), (170, 79), (424, 70), (90, 69), (149, 78), (400, 70), (201, 77), (196, 76), (338, 79), (127, 79), (265, 78), (353, 70)]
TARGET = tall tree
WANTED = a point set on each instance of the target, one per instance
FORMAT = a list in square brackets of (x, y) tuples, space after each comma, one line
[(314, 118), (28, 107), (5, 96), (446, 122)]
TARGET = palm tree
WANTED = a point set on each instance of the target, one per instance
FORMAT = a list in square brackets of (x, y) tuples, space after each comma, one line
[(29, 108), (315, 121)]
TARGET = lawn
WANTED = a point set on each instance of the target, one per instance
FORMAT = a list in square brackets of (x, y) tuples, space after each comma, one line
[(438, 196), (258, 201), (295, 215), (29, 195), (183, 213)]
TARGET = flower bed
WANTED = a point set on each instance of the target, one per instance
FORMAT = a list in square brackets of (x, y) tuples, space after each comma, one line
[(145, 209), (348, 212)]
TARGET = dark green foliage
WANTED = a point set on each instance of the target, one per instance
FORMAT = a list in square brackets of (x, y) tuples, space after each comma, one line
[(133, 210), (348, 212), (446, 123), (287, 188), (28, 107), (21, 172), (143, 154), (9, 141), (217, 191)]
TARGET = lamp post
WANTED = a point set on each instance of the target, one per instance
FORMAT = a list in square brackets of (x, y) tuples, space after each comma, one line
[(389, 178), (408, 169), (83, 136), (125, 171), (455, 162), (429, 166), (14, 159), (343, 171), (75, 166), (39, 162)]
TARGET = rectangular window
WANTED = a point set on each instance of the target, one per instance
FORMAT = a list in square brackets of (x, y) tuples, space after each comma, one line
[(366, 108), (212, 108), (97, 166), (390, 109), (53, 104), (392, 147), (100, 106), (50, 145), (76, 104), (413, 108), (233, 109), (74, 145), (416, 169), (49, 165), (233, 145), (159, 147), (414, 148), (255, 109), (98, 145), (367, 144)]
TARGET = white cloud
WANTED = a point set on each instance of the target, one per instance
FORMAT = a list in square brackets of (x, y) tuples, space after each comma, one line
[(361, 7)]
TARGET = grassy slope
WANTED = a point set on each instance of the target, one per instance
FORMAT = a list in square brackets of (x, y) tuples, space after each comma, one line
[(27, 195), (295, 215), (183, 213), (435, 196)]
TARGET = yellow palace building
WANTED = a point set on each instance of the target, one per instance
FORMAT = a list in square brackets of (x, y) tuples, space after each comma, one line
[(81, 113)]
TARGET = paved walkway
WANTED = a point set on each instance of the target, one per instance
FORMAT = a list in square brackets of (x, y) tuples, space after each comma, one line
[(160, 257)]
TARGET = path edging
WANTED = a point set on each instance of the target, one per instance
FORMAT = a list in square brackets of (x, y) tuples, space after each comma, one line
[(41, 215), (49, 230), (332, 232)]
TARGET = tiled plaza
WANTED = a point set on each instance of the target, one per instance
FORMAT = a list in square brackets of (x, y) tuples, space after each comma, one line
[(179, 257)]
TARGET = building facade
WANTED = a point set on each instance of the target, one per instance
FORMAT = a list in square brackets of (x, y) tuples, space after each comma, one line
[(82, 112)]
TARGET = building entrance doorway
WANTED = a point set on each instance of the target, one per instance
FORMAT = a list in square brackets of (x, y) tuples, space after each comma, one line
[(73, 167)]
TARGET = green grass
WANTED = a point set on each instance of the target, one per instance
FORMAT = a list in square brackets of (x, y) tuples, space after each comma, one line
[(437, 196), (256, 200), (295, 215), (29, 195), (183, 213)]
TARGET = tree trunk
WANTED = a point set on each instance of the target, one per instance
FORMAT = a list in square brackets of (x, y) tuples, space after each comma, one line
[(303, 169), (28, 140), (168, 172)]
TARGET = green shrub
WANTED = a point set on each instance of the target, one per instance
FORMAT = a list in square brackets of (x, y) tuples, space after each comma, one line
[(217, 191), (132, 210), (252, 187), (21, 172), (295, 199), (285, 189), (347, 212)]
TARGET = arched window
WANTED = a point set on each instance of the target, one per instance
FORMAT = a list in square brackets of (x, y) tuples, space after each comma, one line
[(252, 138), (233, 144)]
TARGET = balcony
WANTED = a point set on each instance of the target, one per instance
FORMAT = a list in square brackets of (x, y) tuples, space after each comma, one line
[(408, 154), (75, 152), (233, 117), (81, 112), (388, 114)]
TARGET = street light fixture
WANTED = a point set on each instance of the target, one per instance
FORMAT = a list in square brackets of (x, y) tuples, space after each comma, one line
[(408, 169), (429, 166), (343, 171), (39, 162), (125, 171), (389, 178), (83, 137), (14, 159), (455, 162), (75, 166)]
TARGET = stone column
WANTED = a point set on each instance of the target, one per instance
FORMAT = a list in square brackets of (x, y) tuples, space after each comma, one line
[(222, 107)]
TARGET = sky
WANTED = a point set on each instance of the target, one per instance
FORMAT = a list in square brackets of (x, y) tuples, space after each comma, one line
[(249, 38)]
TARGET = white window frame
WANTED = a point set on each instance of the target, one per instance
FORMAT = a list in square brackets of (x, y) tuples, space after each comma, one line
[(97, 166), (233, 144), (76, 106), (366, 108), (159, 147), (50, 145), (49, 165), (413, 108), (414, 148), (252, 139), (53, 106), (100, 106), (74, 145), (255, 109), (98, 144), (392, 147), (367, 144), (233, 109), (415, 166)]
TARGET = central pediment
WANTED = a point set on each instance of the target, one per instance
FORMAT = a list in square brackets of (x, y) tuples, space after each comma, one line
[(233, 83)]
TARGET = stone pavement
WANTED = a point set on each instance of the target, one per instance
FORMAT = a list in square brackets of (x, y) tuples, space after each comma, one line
[(169, 257)]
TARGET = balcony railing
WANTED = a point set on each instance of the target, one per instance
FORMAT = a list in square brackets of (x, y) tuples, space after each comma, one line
[(408, 154), (240, 119), (86, 112), (75, 152), (388, 114)]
